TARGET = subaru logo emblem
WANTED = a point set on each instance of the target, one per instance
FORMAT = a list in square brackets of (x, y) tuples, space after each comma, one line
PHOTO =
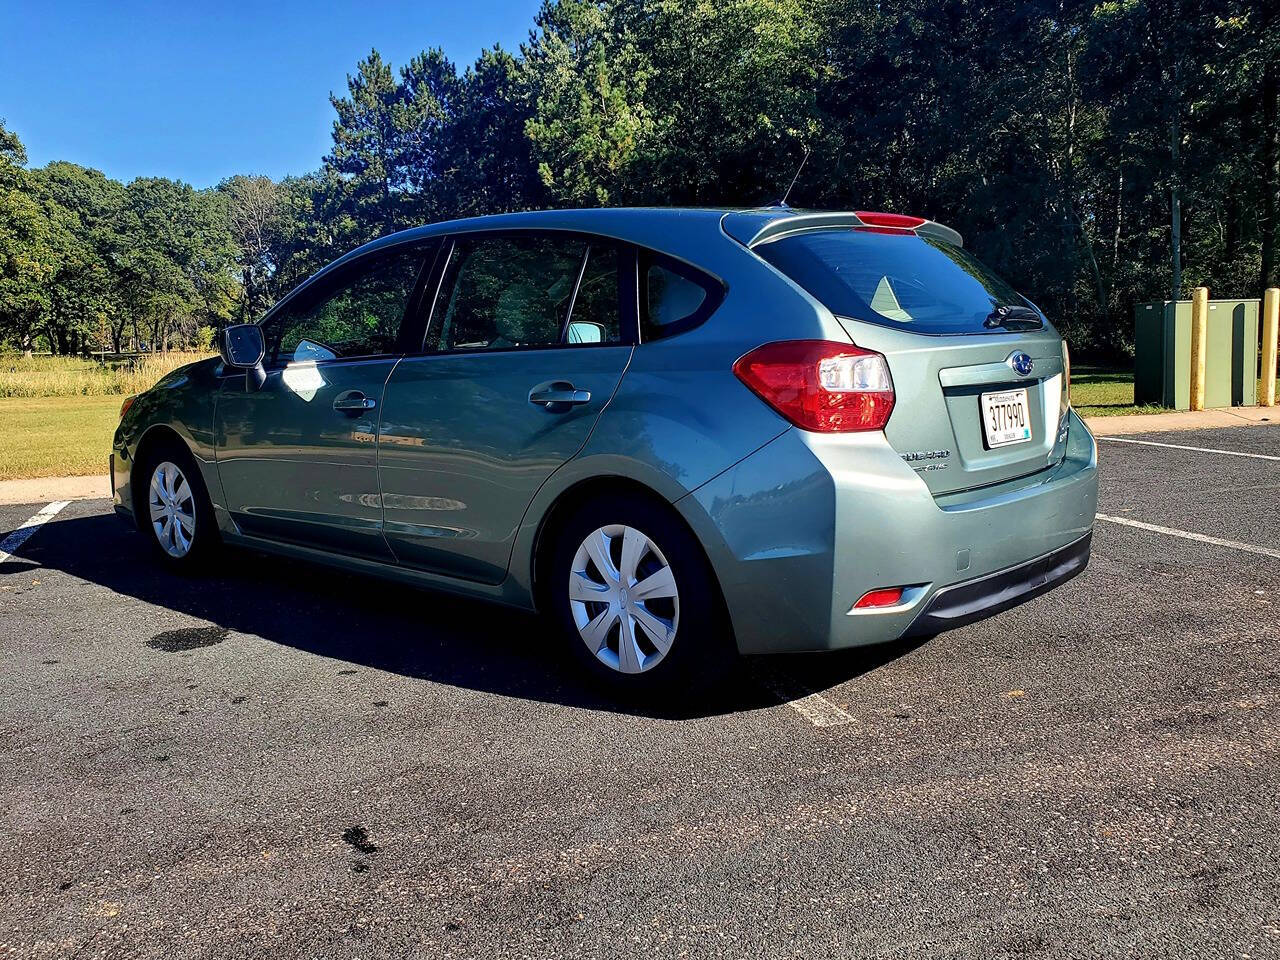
[(1022, 364)]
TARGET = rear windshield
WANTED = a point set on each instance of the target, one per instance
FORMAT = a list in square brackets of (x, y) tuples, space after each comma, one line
[(893, 279)]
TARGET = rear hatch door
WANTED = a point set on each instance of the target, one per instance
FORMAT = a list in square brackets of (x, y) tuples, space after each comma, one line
[(938, 417), (977, 371)]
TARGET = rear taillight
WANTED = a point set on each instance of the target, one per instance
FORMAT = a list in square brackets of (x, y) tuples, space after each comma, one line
[(124, 407), (820, 385)]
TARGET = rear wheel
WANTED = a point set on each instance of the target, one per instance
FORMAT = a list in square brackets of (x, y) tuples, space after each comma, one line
[(174, 510), (635, 599)]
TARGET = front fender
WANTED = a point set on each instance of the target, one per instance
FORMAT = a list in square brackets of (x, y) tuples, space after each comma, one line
[(181, 404)]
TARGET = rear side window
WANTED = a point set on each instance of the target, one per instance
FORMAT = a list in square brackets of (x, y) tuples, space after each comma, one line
[(674, 296), (508, 292), (900, 280)]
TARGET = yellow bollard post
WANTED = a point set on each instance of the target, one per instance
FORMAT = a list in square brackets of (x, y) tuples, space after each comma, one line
[(1199, 339), (1270, 330)]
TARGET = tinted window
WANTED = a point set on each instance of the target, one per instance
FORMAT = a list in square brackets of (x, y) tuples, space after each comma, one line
[(595, 310), (893, 279), (673, 297), (360, 317), (505, 292)]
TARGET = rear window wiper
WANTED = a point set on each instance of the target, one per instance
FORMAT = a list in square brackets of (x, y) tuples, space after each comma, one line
[(1013, 317)]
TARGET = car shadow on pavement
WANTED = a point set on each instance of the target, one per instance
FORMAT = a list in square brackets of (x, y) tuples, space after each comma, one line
[(387, 626)]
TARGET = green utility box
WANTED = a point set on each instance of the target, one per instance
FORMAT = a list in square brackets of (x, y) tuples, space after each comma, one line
[(1162, 364)]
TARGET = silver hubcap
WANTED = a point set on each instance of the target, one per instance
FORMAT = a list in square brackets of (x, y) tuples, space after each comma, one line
[(624, 599), (173, 510)]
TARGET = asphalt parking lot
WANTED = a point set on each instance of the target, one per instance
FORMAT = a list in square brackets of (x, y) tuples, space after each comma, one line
[(289, 762)]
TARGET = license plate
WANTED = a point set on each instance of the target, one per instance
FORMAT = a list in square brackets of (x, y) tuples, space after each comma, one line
[(1006, 417)]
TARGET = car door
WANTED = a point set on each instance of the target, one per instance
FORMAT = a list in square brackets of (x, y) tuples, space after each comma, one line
[(527, 342), (297, 457)]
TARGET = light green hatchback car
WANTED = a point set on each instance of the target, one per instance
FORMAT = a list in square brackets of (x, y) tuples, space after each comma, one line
[(677, 433)]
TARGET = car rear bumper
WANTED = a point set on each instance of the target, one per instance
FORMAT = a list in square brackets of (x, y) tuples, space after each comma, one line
[(984, 597), (808, 524)]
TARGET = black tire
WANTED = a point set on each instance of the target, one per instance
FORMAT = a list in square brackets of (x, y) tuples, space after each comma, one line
[(204, 540), (701, 653)]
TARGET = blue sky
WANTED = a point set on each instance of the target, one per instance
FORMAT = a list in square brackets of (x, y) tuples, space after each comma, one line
[(197, 90)]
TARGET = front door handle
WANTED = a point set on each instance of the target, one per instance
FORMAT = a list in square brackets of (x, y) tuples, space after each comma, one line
[(558, 395), (354, 402)]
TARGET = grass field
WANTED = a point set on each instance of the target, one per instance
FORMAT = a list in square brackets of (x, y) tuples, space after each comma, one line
[(57, 414), (73, 377), (1103, 392), (56, 436)]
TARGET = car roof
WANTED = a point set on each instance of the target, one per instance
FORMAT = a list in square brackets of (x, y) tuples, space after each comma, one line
[(747, 225), (621, 223)]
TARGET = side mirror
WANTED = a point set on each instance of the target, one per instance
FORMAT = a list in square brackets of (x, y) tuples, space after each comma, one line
[(584, 331), (242, 347)]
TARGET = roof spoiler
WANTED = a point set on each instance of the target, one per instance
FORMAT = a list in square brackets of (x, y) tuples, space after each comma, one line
[(751, 227)]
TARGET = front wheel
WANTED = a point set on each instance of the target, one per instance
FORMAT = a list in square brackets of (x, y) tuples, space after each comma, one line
[(636, 601), (175, 513)]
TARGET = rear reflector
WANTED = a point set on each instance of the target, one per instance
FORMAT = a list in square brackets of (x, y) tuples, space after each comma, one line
[(889, 597), (900, 220), (821, 385)]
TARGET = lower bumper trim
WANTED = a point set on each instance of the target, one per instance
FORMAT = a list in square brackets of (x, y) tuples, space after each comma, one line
[(984, 597)]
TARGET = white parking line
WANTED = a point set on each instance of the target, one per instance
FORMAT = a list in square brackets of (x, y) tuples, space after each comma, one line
[(1180, 446), (820, 711), (814, 707), (20, 536), (1200, 537)]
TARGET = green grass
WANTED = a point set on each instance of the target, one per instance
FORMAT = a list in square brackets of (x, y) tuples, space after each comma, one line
[(1099, 392), (1103, 392), (57, 414), (56, 436)]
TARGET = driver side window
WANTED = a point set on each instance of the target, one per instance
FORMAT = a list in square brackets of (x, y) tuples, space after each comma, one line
[(359, 317)]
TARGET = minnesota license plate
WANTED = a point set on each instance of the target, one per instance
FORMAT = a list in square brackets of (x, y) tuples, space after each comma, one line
[(1006, 417)]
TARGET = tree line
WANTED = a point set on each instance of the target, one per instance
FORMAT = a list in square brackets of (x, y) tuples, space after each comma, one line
[(1097, 154)]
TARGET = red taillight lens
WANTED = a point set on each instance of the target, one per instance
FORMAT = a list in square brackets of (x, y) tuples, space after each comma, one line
[(889, 597), (124, 407), (820, 385), (900, 220)]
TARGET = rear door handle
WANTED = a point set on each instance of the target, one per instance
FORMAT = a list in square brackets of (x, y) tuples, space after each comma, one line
[(354, 402), (558, 395)]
